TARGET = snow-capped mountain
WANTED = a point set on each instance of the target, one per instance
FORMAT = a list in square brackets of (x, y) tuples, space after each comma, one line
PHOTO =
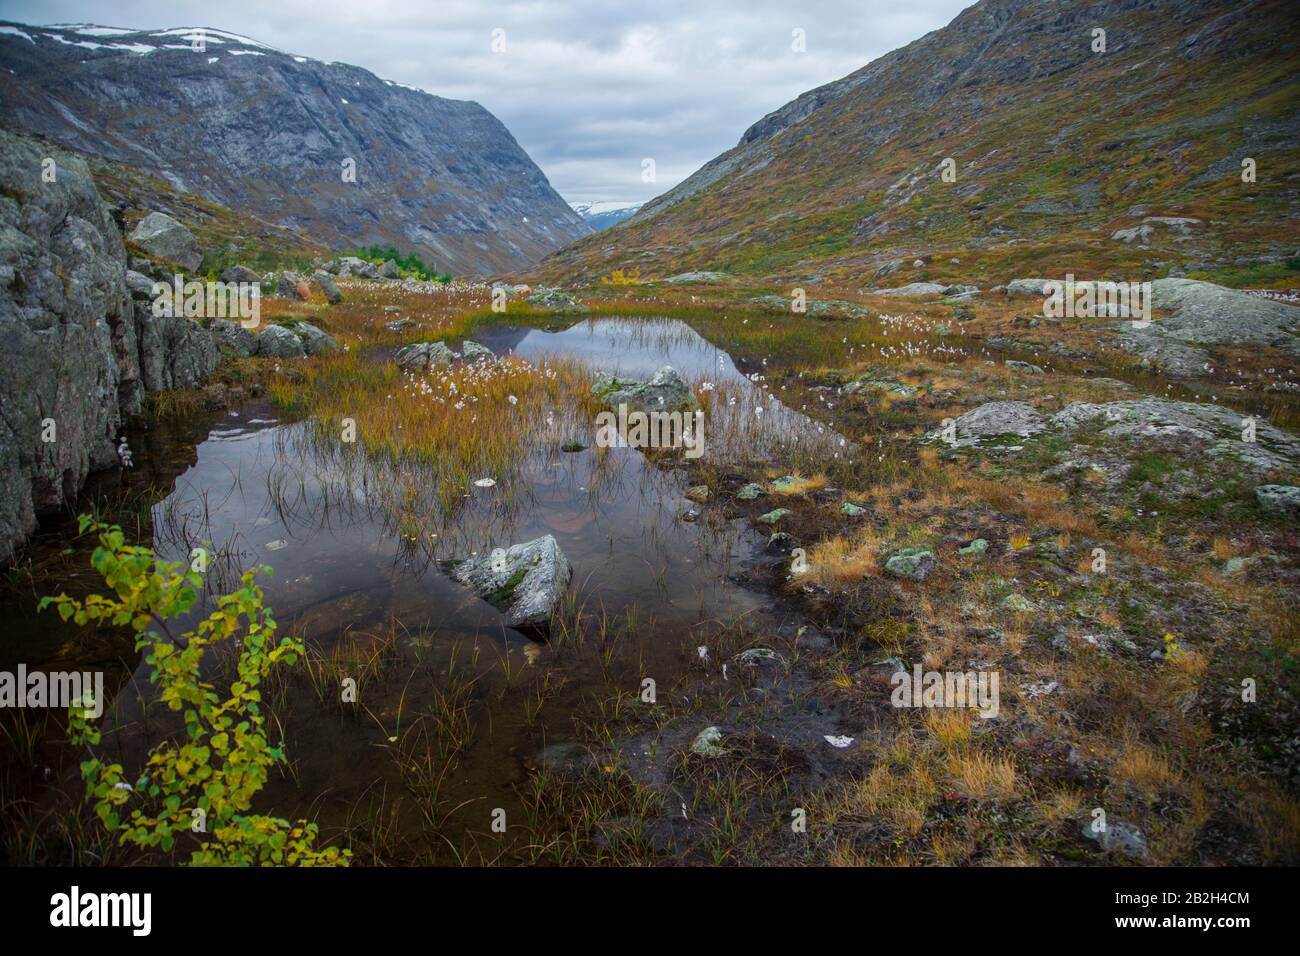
[(602, 215)]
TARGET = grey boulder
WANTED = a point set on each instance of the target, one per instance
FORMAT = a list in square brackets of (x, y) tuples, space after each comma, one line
[(314, 340), (473, 352), (425, 355), (525, 581), (1279, 499), (325, 282), (240, 274), (666, 391), (275, 341), (164, 238), (232, 337)]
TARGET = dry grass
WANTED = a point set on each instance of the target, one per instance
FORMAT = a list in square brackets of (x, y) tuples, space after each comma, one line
[(983, 776)]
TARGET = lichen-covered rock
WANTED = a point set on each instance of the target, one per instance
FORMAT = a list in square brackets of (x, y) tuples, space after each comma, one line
[(67, 330), (1211, 314), (139, 285), (232, 337), (389, 270), (1027, 367), (314, 340), (240, 274), (1189, 428), (687, 277), (993, 419), (1118, 837), (1027, 287), (526, 581), (275, 341), (352, 266), (914, 563), (425, 355), (1279, 499), (163, 237), (473, 352), (556, 300), (175, 352), (325, 282), (666, 391), (287, 285), (912, 289)]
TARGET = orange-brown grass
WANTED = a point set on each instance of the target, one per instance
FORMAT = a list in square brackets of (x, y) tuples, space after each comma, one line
[(457, 423), (800, 485), (982, 776)]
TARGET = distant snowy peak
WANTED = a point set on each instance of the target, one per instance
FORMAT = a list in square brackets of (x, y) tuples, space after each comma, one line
[(602, 215), (94, 36)]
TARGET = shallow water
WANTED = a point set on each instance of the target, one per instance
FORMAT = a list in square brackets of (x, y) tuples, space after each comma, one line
[(348, 576)]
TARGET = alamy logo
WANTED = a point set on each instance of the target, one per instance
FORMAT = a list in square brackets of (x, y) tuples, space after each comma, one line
[(209, 300), (637, 429), (61, 689), (103, 909), (1090, 300), (977, 689)]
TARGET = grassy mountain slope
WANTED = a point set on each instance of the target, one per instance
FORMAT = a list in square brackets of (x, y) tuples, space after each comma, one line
[(1056, 148)]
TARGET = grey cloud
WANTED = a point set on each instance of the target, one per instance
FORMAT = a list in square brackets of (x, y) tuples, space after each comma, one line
[(588, 87)]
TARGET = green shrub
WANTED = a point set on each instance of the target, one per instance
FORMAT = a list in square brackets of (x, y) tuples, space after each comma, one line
[(409, 266), (203, 780)]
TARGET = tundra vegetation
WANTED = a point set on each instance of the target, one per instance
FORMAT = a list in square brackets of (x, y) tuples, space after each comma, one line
[(1121, 688)]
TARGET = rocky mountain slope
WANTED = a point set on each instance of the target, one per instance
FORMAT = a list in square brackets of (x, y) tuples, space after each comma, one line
[(1063, 157), (271, 134)]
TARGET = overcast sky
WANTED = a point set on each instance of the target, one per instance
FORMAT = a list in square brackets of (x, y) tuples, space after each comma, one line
[(589, 88)]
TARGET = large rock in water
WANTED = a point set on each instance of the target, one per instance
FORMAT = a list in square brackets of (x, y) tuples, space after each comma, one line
[(164, 238), (666, 391), (526, 581)]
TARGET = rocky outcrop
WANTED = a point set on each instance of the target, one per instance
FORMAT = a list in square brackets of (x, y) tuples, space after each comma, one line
[(175, 352), (314, 340), (556, 300), (80, 342), (1211, 314), (164, 238), (67, 330), (992, 420), (911, 289), (241, 274), (526, 581)]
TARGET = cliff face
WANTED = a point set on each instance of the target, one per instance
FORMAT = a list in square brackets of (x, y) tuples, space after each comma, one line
[(262, 131), (80, 350), (1063, 156)]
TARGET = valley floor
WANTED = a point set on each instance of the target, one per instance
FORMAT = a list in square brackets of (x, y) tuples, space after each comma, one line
[(1016, 497)]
